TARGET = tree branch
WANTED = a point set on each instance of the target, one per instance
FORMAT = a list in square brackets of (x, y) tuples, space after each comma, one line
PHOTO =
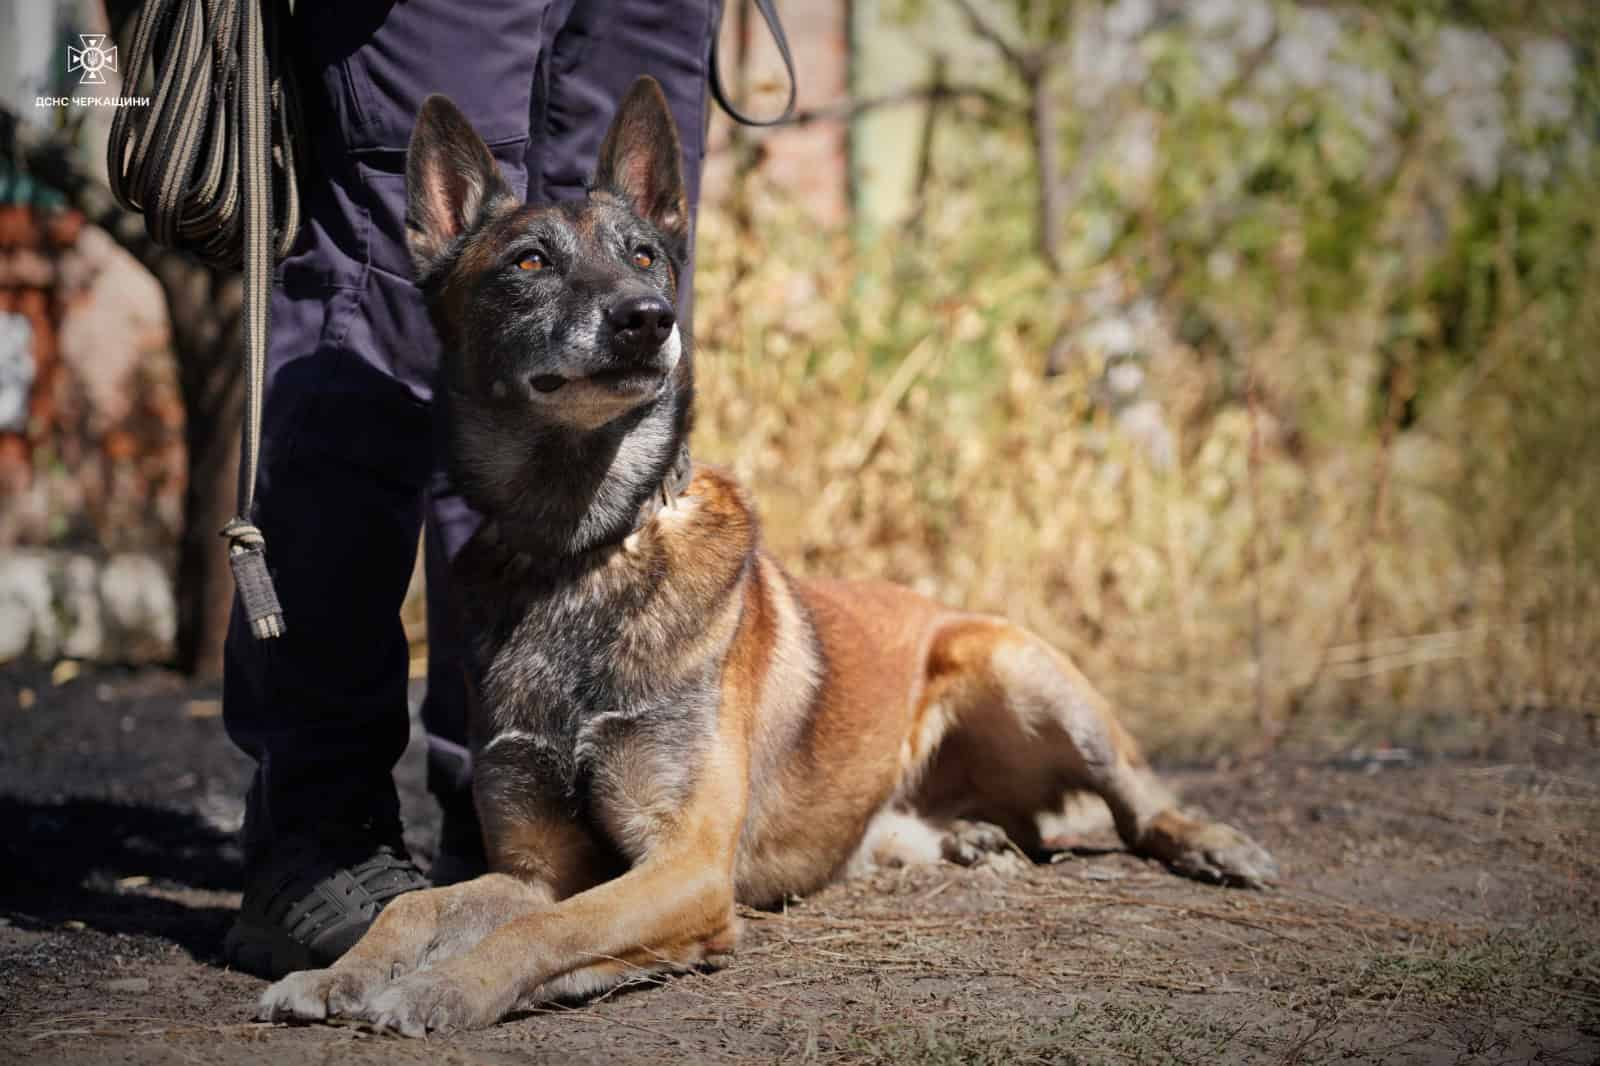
[(849, 109), (987, 30), (1044, 125)]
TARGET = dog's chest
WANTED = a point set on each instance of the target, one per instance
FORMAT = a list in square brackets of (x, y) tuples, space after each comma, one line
[(580, 706)]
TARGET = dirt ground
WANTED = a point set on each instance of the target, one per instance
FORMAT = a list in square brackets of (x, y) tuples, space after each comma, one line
[(1433, 910)]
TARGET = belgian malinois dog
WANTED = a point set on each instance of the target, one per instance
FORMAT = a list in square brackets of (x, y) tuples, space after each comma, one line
[(667, 722)]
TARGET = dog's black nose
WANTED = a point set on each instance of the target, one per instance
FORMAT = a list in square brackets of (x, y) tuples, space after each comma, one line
[(640, 325)]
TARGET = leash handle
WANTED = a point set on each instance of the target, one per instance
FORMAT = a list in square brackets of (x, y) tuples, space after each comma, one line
[(769, 13)]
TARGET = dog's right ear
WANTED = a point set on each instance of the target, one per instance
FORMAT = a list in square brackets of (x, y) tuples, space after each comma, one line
[(451, 182)]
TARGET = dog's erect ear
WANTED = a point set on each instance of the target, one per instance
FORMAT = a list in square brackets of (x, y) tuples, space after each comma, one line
[(641, 159), (451, 181)]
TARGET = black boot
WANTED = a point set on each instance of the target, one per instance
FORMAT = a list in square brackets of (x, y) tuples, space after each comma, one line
[(311, 892)]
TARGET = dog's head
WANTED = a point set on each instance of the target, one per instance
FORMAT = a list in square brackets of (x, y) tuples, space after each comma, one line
[(566, 378), (562, 315)]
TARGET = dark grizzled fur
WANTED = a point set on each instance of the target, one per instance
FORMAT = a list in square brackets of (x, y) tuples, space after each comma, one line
[(574, 634), (552, 686), (552, 682)]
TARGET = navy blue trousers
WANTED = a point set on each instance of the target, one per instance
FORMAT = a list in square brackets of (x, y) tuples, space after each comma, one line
[(350, 473)]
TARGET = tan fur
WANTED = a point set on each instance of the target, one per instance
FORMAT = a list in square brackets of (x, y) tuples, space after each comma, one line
[(859, 724)]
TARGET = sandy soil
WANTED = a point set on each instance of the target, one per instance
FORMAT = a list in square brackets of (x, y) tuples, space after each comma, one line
[(1433, 911)]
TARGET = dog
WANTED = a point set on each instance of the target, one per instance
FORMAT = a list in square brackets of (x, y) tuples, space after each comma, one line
[(666, 722)]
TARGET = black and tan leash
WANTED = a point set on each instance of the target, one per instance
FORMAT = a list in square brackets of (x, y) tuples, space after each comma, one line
[(210, 163)]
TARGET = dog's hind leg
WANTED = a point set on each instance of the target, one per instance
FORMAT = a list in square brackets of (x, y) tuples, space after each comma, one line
[(413, 932), (900, 837), (1011, 727)]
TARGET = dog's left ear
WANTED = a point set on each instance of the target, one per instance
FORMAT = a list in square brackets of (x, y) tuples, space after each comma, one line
[(642, 160)]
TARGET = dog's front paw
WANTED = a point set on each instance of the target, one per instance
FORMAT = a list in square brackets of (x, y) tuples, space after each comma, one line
[(433, 1000), (316, 995), (305, 996), (1210, 851)]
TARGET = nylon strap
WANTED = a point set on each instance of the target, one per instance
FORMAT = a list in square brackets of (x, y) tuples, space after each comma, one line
[(210, 164), (769, 14)]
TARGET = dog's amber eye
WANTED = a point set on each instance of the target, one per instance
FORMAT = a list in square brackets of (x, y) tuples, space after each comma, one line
[(643, 259), (531, 262)]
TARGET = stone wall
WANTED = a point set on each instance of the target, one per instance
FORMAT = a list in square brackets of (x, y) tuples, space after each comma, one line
[(80, 605), (91, 444)]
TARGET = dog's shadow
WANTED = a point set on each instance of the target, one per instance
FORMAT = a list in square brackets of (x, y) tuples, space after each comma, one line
[(117, 868)]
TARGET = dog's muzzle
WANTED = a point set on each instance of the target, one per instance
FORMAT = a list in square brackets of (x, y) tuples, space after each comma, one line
[(644, 370)]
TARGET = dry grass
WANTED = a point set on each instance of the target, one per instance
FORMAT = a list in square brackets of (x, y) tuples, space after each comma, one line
[(894, 421)]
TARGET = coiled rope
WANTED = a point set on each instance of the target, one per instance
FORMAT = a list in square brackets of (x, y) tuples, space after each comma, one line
[(211, 165)]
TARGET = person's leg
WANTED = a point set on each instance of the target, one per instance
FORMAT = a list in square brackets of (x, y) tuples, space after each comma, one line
[(459, 855), (598, 48), (347, 454)]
